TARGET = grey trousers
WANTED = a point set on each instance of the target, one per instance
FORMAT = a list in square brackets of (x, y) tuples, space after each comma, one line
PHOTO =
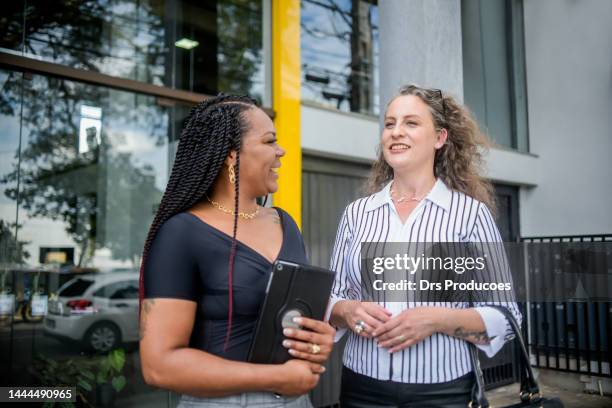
[(248, 399)]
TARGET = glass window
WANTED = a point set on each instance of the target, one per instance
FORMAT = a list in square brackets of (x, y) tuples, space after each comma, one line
[(340, 54), (93, 165), (205, 47), (12, 251), (129, 291), (493, 69), (75, 288), (507, 199), (82, 171), (119, 290)]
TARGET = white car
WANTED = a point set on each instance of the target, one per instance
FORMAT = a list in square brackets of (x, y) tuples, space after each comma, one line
[(100, 310)]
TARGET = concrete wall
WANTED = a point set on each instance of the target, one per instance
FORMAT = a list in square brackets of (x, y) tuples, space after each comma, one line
[(507, 166), (327, 132), (566, 185), (568, 46), (566, 179), (420, 42)]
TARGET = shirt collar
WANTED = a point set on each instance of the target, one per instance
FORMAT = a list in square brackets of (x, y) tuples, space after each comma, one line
[(440, 195), (379, 199)]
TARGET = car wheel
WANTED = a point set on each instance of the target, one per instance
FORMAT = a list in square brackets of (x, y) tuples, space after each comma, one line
[(102, 337)]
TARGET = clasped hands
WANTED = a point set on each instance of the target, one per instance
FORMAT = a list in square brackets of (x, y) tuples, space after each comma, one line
[(395, 333)]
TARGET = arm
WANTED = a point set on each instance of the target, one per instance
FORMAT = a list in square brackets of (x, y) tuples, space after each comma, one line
[(168, 362), (488, 241), (345, 306), (465, 324), (341, 289), (483, 326), (413, 325)]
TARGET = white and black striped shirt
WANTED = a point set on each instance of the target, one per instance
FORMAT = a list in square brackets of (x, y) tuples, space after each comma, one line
[(443, 216)]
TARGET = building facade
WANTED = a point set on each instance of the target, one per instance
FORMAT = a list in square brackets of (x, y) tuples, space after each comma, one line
[(93, 95)]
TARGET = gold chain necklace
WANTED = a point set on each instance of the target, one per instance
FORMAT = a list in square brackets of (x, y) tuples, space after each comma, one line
[(220, 207)]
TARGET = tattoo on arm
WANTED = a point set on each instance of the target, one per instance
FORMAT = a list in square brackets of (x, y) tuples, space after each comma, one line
[(147, 305), (476, 337), (276, 219)]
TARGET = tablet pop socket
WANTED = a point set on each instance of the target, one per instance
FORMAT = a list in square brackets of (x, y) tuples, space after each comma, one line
[(287, 320)]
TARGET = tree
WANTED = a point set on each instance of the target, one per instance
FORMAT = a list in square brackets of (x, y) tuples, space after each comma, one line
[(57, 182), (349, 24), (11, 250), (239, 50)]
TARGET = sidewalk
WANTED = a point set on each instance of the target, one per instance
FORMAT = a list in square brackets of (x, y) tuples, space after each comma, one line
[(571, 399)]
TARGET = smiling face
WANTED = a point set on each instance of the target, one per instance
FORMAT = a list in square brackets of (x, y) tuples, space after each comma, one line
[(259, 156), (409, 139)]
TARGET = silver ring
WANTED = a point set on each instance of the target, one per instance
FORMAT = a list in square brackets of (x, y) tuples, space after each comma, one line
[(360, 326)]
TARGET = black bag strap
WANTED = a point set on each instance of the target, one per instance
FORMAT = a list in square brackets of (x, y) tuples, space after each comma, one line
[(478, 399), (530, 389), (529, 385)]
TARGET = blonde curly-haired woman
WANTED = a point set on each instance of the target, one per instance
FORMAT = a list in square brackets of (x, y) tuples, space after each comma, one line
[(426, 186)]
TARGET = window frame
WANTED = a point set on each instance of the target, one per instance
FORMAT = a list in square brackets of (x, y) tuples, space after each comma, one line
[(516, 71)]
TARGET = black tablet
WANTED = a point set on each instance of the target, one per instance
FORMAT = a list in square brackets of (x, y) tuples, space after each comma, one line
[(293, 290)]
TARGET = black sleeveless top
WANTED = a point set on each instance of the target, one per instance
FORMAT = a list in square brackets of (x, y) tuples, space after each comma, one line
[(189, 260)]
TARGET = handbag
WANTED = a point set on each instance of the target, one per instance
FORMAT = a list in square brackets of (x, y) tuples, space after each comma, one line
[(530, 395)]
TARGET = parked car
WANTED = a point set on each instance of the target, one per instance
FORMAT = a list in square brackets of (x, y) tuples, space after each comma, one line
[(99, 310)]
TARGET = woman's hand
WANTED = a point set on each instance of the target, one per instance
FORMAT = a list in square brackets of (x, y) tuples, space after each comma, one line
[(408, 328), (297, 377), (313, 345), (352, 312)]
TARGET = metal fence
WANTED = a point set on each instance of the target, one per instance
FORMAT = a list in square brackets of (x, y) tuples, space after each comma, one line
[(501, 369), (572, 336)]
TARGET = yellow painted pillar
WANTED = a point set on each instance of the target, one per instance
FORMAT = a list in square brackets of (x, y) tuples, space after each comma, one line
[(286, 97)]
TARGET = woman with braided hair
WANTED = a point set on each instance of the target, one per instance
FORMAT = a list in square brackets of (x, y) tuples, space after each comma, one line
[(206, 262)]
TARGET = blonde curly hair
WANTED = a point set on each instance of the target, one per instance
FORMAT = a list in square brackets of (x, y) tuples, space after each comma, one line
[(459, 163)]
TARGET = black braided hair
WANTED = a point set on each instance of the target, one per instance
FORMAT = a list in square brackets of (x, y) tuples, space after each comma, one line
[(230, 274), (213, 128)]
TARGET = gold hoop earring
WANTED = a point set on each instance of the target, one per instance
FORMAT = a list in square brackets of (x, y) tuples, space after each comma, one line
[(232, 173)]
